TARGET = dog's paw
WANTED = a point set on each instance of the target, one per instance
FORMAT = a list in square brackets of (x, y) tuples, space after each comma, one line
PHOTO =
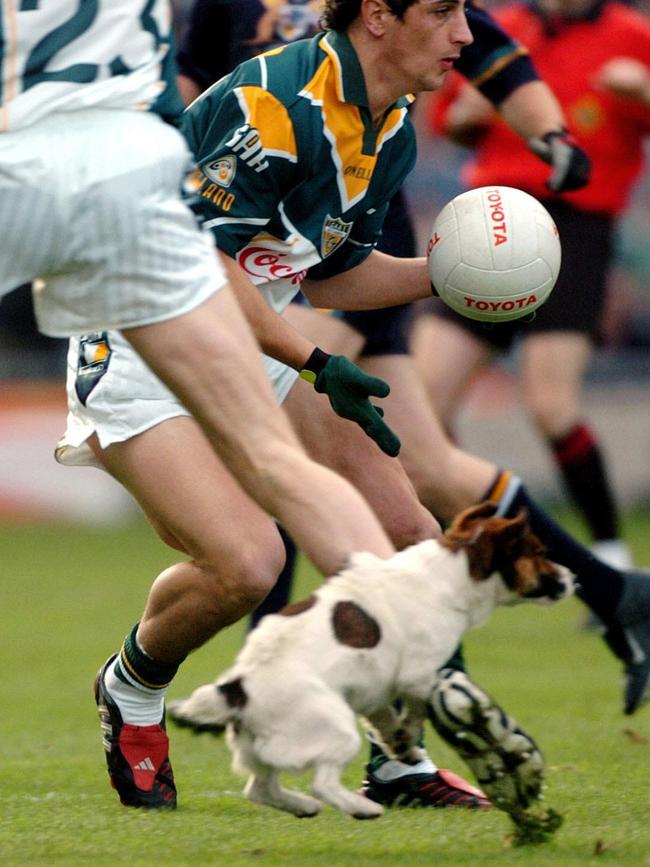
[(374, 812), (307, 809), (300, 805)]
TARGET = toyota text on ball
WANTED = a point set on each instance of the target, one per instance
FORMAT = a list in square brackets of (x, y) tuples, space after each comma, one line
[(499, 229), (500, 306)]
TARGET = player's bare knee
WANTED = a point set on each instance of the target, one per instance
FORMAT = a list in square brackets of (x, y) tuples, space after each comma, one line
[(244, 580), (552, 413), (256, 580)]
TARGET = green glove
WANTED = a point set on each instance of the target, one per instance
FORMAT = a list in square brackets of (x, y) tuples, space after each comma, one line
[(348, 389)]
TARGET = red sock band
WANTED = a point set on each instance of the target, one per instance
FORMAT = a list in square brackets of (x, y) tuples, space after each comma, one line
[(573, 446)]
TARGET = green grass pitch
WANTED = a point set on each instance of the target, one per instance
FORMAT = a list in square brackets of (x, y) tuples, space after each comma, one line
[(68, 596)]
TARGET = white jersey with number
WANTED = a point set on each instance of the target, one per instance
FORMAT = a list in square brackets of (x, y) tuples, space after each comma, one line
[(90, 172), (66, 55)]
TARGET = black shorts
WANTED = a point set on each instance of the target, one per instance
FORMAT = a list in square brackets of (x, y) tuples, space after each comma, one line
[(387, 331), (576, 303)]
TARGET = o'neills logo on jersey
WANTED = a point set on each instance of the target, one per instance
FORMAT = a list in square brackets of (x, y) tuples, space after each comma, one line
[(263, 263), (497, 217), (335, 232), (499, 306), (222, 171), (360, 172)]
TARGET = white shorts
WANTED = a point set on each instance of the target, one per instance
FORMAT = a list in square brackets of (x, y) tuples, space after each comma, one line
[(112, 392), (90, 203)]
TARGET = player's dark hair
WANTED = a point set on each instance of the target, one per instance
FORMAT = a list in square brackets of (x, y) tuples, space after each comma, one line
[(339, 14)]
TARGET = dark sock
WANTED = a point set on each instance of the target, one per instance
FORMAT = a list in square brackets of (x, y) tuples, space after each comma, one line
[(581, 463), (281, 591), (377, 756), (456, 660), (601, 586), (135, 667)]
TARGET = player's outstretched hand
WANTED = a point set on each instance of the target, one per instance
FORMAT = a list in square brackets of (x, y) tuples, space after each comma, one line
[(349, 390), (571, 165)]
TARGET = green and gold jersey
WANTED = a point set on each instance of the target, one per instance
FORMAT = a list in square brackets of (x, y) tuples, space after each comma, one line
[(294, 177)]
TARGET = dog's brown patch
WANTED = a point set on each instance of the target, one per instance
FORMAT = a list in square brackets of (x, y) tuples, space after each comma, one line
[(298, 607), (234, 693), (354, 627)]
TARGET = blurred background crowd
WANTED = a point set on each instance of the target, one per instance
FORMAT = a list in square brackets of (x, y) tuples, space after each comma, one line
[(491, 421)]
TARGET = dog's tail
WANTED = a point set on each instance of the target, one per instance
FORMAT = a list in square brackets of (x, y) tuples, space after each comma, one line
[(209, 707)]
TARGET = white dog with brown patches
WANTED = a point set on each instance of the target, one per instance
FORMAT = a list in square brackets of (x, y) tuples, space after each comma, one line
[(374, 633)]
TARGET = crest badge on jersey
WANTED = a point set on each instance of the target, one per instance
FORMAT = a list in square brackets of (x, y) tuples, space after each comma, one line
[(335, 232), (222, 171), (92, 363)]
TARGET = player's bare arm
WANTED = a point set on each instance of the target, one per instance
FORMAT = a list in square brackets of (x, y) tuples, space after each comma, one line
[(274, 334), (379, 281), (347, 387)]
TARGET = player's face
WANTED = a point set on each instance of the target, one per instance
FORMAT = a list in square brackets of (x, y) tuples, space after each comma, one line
[(425, 43)]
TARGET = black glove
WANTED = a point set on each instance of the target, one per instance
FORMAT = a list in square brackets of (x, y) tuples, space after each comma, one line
[(348, 389), (571, 165)]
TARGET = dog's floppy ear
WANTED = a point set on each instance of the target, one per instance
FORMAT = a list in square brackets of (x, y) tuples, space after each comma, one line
[(486, 537), (468, 517), (467, 531), (514, 528)]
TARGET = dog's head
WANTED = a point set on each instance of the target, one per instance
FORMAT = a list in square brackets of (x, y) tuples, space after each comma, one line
[(507, 546)]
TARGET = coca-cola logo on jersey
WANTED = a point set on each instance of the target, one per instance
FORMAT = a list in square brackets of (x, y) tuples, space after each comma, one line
[(267, 264)]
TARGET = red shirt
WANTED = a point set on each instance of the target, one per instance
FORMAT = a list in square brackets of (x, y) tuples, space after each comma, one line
[(610, 128)]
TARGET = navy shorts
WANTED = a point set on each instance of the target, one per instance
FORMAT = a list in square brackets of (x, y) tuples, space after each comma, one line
[(576, 303), (387, 331)]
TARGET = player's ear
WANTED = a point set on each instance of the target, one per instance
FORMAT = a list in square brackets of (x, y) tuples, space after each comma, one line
[(374, 14)]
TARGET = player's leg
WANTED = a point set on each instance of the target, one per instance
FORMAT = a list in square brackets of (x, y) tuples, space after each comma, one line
[(209, 358), (383, 482), (446, 478), (343, 446), (553, 365), (555, 354), (234, 556), (196, 506), (447, 356), (280, 593)]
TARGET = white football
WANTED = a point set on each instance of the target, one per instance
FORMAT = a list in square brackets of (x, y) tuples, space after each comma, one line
[(494, 254)]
